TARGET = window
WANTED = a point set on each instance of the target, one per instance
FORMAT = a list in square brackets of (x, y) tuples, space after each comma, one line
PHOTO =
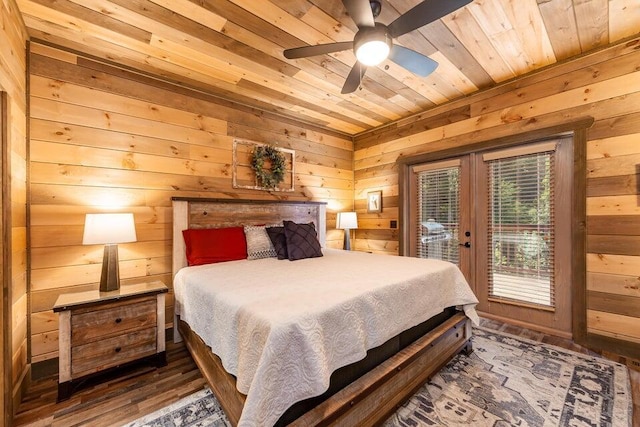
[(520, 228), (439, 213)]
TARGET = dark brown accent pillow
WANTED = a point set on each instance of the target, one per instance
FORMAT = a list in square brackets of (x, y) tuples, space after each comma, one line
[(276, 234), (302, 241)]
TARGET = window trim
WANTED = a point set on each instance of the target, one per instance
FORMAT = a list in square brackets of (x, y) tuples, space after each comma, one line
[(524, 150)]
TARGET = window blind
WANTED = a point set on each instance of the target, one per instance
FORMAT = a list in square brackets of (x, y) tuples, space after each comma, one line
[(521, 229), (438, 195)]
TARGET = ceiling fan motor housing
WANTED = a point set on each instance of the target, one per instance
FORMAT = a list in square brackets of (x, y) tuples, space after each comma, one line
[(376, 7), (372, 44)]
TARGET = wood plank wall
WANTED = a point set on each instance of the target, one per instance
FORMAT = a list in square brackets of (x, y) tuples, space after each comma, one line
[(13, 66), (604, 85), (105, 136)]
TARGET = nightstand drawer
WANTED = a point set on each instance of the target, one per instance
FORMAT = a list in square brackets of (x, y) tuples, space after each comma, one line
[(106, 353), (112, 319)]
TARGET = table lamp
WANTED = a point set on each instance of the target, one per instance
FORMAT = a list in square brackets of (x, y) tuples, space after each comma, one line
[(109, 229), (347, 221)]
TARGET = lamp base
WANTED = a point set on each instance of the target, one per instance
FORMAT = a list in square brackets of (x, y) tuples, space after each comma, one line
[(347, 239), (110, 277)]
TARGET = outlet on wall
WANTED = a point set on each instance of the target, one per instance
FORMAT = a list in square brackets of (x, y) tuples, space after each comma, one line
[(393, 223)]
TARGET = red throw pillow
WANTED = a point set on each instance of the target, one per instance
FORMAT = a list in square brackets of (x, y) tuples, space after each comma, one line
[(211, 245)]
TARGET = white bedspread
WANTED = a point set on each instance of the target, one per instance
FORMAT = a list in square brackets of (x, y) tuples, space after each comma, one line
[(283, 327)]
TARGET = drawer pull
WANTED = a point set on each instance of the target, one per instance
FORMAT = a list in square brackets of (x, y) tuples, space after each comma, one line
[(118, 320), (118, 349)]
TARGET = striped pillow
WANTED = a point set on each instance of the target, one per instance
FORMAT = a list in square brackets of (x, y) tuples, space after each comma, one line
[(258, 242)]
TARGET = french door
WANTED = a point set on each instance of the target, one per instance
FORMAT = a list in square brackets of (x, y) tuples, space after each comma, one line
[(503, 216)]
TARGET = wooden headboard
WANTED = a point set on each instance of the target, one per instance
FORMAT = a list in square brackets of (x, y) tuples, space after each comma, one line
[(217, 213)]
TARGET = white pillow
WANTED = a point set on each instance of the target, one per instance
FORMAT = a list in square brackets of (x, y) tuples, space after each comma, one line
[(258, 242)]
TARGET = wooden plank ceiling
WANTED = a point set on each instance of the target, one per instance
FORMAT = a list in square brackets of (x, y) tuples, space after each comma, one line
[(233, 48)]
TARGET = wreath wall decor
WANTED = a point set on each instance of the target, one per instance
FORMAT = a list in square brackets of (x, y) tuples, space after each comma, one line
[(258, 166), (271, 176)]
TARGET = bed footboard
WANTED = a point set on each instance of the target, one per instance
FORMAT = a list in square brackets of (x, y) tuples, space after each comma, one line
[(369, 400), (377, 394), (222, 384)]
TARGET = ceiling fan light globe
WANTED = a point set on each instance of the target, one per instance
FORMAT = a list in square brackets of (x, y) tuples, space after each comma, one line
[(372, 44), (372, 52)]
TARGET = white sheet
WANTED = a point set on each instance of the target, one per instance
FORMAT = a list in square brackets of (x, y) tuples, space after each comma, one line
[(283, 327)]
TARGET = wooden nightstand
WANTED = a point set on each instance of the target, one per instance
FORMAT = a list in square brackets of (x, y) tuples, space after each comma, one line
[(103, 330)]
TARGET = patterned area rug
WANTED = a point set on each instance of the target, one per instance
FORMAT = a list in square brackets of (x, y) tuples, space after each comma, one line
[(507, 381), (198, 410)]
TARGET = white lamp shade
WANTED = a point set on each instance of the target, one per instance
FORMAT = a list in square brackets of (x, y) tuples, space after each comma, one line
[(108, 228), (347, 220)]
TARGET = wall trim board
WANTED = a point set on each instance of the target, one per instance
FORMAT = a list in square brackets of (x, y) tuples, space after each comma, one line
[(610, 345), (21, 388), (28, 197), (5, 267), (579, 236), (525, 324), (25, 378)]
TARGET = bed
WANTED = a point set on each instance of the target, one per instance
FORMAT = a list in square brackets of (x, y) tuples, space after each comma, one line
[(317, 341)]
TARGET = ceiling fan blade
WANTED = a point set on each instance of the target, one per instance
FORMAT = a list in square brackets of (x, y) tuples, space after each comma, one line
[(354, 78), (320, 49), (360, 12), (413, 61), (422, 14)]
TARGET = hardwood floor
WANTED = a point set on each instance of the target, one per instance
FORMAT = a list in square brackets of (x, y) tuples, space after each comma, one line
[(142, 389), (134, 392)]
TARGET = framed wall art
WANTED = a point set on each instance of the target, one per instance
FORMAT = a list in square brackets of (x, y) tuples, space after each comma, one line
[(374, 201)]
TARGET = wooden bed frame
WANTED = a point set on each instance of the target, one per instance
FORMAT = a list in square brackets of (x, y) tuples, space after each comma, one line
[(372, 398)]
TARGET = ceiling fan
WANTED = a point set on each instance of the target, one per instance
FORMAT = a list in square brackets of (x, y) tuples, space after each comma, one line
[(373, 42)]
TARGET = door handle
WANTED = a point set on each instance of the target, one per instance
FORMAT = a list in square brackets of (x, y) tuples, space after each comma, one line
[(466, 244)]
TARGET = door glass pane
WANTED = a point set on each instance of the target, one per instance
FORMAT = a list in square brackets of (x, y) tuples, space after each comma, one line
[(521, 228), (439, 214)]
